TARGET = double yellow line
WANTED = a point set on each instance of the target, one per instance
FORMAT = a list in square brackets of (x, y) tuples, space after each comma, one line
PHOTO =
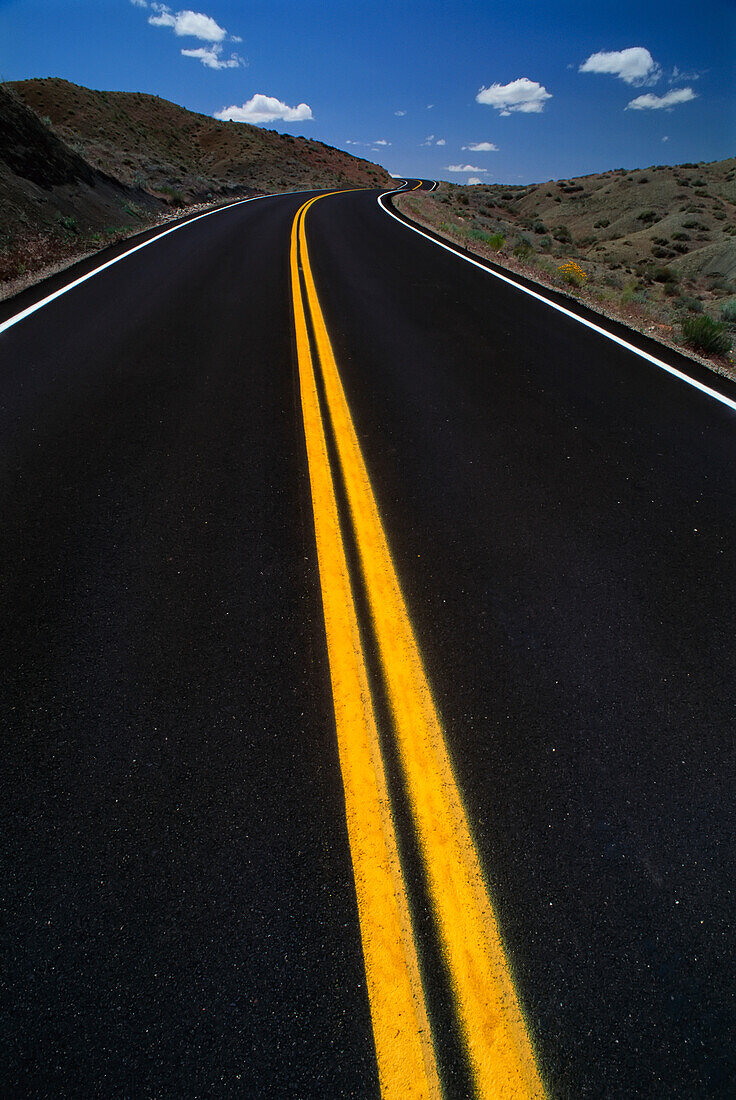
[(496, 1039)]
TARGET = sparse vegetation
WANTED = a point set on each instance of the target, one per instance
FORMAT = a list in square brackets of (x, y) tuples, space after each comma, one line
[(67, 223), (705, 334), (728, 312), (147, 142)]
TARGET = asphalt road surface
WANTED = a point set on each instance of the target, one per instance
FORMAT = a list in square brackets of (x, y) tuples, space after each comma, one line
[(529, 529)]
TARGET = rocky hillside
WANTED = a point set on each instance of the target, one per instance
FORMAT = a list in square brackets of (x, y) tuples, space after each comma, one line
[(147, 142), (53, 204)]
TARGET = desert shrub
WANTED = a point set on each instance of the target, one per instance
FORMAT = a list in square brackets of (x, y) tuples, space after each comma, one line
[(643, 179), (522, 249), (728, 312), (602, 224), (693, 305), (680, 236), (68, 224), (496, 241), (648, 216), (704, 334), (719, 282), (174, 198), (463, 198), (539, 227), (572, 273), (545, 243), (562, 233), (664, 275), (633, 292), (720, 215)]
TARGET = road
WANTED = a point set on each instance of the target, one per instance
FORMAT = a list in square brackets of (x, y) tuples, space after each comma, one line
[(368, 678)]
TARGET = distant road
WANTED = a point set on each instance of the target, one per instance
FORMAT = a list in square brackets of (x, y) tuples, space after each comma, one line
[(367, 676)]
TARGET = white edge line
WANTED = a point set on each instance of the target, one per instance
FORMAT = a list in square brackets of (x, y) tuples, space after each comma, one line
[(727, 401), (123, 255)]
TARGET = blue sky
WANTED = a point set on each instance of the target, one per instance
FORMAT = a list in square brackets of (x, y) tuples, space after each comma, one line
[(657, 86)]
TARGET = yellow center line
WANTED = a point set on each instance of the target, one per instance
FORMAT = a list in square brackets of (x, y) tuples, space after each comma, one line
[(496, 1037), (405, 1056)]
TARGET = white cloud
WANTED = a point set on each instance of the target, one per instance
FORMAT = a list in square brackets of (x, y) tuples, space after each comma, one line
[(139, 3), (481, 147), (635, 66), (474, 179), (464, 168), (666, 137), (431, 140), (265, 108), (191, 24), (399, 114), (430, 106), (210, 56), (651, 102), (440, 141), (382, 142), (678, 77), (524, 95)]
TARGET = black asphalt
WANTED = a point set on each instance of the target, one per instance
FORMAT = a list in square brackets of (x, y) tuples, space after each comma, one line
[(180, 917), (179, 911)]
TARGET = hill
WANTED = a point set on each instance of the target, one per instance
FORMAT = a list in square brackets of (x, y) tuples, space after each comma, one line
[(80, 169), (53, 204), (150, 143), (655, 245)]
